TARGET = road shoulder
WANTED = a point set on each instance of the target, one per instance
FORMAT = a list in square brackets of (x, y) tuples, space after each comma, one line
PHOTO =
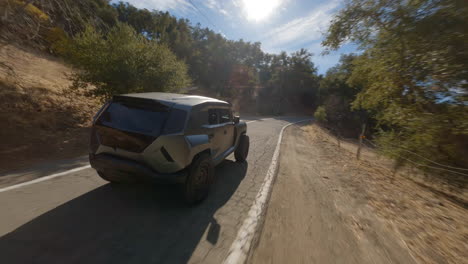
[(312, 220)]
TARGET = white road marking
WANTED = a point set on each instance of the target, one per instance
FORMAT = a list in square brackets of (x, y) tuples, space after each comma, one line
[(58, 174), (241, 246), (262, 119), (44, 178)]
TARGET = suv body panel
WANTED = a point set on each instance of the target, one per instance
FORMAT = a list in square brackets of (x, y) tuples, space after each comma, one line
[(183, 136)]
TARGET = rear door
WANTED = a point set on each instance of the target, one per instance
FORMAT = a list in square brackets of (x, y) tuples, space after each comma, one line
[(215, 133), (226, 122)]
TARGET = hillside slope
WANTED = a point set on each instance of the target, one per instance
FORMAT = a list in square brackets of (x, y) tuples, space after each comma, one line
[(41, 119)]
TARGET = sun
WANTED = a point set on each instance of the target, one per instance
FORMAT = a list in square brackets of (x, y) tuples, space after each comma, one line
[(258, 10)]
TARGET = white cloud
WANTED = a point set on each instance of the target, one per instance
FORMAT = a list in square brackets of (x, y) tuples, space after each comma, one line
[(300, 30), (220, 7), (245, 11), (257, 10), (181, 6), (212, 4)]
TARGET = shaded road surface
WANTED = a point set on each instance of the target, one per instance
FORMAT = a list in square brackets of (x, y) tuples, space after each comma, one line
[(79, 218), (310, 219)]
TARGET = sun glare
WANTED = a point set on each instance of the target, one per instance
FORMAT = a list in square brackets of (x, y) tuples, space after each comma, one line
[(260, 9)]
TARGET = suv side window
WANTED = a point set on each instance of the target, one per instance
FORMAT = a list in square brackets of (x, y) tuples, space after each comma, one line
[(212, 116), (224, 116)]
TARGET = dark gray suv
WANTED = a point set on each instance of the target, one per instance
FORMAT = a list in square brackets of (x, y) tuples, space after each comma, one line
[(170, 137)]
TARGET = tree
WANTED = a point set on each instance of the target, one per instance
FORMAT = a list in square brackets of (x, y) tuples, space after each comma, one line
[(214, 63), (290, 80), (413, 72), (320, 114), (336, 95), (37, 23), (123, 61)]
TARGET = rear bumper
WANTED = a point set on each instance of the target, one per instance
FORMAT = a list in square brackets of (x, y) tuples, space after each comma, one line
[(123, 168)]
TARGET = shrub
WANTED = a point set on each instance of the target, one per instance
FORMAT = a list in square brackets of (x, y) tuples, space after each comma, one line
[(32, 10), (58, 40), (320, 114), (123, 61)]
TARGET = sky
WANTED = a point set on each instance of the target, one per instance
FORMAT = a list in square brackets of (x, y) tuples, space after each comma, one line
[(280, 25)]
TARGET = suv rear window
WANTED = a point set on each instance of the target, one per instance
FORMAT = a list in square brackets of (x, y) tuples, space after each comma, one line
[(135, 117)]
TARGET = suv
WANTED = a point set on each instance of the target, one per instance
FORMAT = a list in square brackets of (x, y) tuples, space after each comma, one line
[(170, 137)]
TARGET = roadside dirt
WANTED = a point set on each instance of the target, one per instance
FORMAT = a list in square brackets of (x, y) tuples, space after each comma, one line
[(41, 119), (327, 207)]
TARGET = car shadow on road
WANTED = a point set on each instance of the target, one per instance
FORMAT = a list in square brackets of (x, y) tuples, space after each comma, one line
[(123, 224)]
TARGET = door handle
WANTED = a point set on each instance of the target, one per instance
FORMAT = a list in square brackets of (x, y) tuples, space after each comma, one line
[(225, 132)]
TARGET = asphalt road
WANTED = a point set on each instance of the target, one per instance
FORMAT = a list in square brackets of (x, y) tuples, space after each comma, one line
[(79, 218)]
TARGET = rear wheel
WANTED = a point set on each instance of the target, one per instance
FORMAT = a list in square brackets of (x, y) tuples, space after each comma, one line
[(106, 177), (242, 150), (199, 179)]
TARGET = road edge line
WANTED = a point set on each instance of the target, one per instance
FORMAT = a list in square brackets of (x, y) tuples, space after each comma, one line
[(241, 246), (57, 174), (43, 178)]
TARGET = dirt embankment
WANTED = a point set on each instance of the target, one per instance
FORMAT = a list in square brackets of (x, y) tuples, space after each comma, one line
[(327, 207), (41, 119)]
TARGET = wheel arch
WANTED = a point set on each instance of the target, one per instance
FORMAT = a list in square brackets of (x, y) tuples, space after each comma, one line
[(205, 151)]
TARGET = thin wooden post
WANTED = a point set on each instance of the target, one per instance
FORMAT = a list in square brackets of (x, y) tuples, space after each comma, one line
[(358, 154)]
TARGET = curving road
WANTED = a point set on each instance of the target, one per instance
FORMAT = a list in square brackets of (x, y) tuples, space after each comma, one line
[(79, 218)]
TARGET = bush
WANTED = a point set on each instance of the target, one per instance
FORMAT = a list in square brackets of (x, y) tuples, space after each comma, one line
[(32, 10), (123, 61), (320, 114), (58, 40)]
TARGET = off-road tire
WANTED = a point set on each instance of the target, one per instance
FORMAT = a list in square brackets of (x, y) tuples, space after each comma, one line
[(199, 179), (107, 178), (242, 150)]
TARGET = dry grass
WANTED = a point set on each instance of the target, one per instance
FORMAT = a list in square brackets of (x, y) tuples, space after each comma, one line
[(41, 119), (430, 217)]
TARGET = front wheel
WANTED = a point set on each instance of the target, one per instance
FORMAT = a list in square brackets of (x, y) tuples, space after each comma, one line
[(242, 149), (199, 179)]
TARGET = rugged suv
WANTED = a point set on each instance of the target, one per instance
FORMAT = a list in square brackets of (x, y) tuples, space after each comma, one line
[(169, 137)]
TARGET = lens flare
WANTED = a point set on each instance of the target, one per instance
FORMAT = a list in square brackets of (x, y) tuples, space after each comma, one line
[(258, 10)]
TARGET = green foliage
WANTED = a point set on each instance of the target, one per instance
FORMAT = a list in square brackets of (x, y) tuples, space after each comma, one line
[(35, 23), (32, 10), (58, 40), (235, 70), (123, 61), (336, 95), (412, 72), (320, 114), (73, 16), (224, 67), (291, 80), (212, 59)]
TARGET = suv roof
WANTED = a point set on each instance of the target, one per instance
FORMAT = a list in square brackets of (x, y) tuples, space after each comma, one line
[(173, 98)]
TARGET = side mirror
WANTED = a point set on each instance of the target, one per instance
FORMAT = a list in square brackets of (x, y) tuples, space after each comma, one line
[(236, 119)]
